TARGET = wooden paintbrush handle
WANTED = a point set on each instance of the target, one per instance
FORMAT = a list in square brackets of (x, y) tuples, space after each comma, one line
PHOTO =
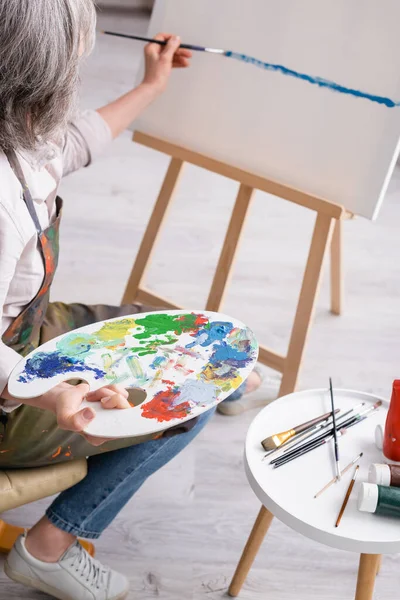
[(308, 424), (347, 496)]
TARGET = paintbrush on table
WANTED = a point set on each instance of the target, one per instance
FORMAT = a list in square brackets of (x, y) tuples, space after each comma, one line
[(352, 420), (164, 43), (299, 439), (347, 496), (323, 438), (278, 439), (334, 480), (283, 460), (335, 436)]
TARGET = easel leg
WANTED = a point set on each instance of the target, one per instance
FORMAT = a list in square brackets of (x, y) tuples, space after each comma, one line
[(305, 307), (229, 248), (366, 576), (336, 269), (254, 542), (159, 213)]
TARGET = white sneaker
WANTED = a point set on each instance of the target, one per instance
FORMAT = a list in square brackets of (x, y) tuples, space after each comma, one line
[(76, 576)]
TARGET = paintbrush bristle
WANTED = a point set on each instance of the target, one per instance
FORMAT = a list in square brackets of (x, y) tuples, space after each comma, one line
[(276, 440), (269, 444)]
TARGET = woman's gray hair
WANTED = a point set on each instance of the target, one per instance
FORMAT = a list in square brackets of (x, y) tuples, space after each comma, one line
[(40, 45)]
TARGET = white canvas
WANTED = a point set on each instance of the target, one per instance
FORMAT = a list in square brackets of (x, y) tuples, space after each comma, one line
[(332, 145)]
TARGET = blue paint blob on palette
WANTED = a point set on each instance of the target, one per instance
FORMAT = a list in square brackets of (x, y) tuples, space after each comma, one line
[(186, 362)]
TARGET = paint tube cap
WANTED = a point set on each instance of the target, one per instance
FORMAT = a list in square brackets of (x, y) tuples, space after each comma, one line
[(368, 497), (379, 474)]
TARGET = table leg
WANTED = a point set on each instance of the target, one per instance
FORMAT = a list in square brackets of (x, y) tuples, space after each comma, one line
[(366, 576), (378, 568), (254, 542)]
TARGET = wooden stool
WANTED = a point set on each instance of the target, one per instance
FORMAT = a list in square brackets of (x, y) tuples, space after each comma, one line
[(22, 486)]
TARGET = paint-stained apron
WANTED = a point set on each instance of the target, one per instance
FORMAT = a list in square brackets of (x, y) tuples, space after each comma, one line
[(29, 436)]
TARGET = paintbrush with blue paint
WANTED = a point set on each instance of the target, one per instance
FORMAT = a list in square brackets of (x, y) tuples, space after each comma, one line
[(164, 43)]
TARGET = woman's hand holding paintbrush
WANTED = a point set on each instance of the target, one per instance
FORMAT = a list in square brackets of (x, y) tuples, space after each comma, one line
[(162, 42), (160, 59)]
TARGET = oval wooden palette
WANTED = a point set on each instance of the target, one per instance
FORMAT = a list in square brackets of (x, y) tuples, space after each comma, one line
[(186, 362)]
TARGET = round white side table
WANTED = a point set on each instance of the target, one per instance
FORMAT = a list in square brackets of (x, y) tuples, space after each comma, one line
[(288, 492)]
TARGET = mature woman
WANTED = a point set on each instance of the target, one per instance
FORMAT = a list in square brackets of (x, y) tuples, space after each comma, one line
[(41, 139)]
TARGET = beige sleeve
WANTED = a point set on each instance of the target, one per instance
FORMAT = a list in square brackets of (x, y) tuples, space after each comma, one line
[(86, 138)]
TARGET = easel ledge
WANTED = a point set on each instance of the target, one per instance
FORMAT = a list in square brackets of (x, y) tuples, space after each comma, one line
[(327, 233)]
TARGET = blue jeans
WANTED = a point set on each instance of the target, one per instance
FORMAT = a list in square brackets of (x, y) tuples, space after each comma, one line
[(87, 508)]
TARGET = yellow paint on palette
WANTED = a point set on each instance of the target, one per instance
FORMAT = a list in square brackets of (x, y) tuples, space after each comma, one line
[(108, 366), (209, 374), (114, 331), (157, 377)]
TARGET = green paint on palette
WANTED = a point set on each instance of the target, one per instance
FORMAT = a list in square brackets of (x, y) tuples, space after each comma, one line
[(76, 344), (120, 379), (161, 324), (108, 366), (152, 346), (135, 367)]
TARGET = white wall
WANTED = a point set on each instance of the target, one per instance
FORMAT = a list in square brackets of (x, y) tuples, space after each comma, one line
[(148, 4)]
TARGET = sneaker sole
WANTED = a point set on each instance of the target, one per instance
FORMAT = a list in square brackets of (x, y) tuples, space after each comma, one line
[(43, 587)]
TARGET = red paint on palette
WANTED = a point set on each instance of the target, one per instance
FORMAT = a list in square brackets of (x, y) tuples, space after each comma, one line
[(201, 320), (163, 408)]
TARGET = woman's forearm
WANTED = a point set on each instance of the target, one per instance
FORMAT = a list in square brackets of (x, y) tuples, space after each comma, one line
[(159, 61), (45, 401), (123, 111)]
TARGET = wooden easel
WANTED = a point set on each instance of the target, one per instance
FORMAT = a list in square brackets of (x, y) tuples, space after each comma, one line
[(327, 232)]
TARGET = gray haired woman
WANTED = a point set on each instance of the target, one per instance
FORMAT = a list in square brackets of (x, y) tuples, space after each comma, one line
[(41, 139)]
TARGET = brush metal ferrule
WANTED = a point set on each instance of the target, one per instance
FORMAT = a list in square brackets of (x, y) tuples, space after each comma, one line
[(214, 50), (276, 440)]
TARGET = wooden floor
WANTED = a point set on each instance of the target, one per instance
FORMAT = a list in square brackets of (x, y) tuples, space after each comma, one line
[(181, 536)]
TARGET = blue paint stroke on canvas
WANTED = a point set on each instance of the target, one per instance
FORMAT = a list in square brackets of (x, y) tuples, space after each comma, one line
[(319, 81), (47, 364)]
